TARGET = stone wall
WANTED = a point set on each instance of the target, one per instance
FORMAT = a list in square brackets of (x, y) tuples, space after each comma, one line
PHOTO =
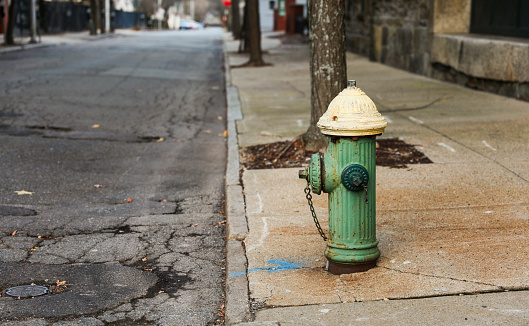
[(393, 32), (432, 38), (497, 65)]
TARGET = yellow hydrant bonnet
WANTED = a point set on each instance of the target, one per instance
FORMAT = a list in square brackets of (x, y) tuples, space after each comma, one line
[(352, 113)]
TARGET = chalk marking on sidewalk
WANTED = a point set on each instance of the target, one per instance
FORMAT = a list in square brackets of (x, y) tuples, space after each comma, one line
[(416, 120), (282, 266), (299, 122), (259, 204), (263, 236), (450, 148), (387, 119), (488, 145)]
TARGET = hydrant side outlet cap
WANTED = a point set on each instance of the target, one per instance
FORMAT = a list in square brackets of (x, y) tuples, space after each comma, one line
[(352, 113)]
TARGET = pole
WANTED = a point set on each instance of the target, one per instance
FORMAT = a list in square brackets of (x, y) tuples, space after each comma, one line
[(159, 20), (6, 19), (192, 9), (107, 16), (33, 18)]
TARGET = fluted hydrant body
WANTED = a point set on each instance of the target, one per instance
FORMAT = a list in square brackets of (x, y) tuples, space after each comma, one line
[(347, 172)]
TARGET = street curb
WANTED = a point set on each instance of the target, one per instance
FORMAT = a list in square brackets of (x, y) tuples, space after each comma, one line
[(237, 303), (22, 47), (16, 48)]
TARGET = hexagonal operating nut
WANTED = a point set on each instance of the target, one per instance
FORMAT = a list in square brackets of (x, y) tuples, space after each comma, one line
[(355, 177)]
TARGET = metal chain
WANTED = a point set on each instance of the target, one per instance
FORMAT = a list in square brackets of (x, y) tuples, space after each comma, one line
[(313, 212), (366, 188)]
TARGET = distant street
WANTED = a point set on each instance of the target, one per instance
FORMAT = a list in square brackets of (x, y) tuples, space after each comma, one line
[(112, 161)]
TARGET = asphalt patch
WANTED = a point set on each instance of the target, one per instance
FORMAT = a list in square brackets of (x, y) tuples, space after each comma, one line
[(86, 289), (16, 211)]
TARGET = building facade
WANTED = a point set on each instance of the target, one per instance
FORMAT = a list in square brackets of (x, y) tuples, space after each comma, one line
[(483, 44)]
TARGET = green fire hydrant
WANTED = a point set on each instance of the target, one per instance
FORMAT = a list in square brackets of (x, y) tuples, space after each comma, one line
[(347, 172)]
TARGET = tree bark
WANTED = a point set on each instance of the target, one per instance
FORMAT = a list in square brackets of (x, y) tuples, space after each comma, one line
[(328, 68), (244, 43), (254, 34), (10, 40), (96, 16), (235, 19)]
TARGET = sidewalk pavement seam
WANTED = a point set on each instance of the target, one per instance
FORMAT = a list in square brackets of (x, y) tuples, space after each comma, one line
[(426, 126), (499, 288), (237, 288)]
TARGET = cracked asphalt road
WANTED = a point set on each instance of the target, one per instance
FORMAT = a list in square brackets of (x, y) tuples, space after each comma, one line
[(119, 146)]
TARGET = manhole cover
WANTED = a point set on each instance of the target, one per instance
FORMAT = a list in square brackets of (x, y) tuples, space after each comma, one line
[(26, 291)]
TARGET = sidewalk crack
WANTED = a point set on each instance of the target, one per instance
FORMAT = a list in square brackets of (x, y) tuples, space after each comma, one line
[(443, 277)]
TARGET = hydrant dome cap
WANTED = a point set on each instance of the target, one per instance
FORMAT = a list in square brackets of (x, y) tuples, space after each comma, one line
[(352, 113)]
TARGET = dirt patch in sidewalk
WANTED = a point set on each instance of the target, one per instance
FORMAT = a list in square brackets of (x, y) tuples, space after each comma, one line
[(391, 152)]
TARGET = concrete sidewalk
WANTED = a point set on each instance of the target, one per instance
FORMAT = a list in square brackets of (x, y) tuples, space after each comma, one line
[(453, 235), (59, 39)]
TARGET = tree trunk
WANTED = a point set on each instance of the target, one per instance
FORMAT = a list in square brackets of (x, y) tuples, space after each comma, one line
[(328, 67), (244, 44), (96, 16), (10, 40), (102, 17), (235, 20), (254, 34)]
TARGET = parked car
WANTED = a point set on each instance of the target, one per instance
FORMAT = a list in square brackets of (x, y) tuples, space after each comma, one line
[(190, 24)]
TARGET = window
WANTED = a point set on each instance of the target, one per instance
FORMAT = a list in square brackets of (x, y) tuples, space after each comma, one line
[(500, 17)]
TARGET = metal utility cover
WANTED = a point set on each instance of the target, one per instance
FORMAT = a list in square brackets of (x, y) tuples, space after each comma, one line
[(26, 291)]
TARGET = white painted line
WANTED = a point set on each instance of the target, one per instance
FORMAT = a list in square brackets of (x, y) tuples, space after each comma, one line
[(299, 122), (416, 120), (488, 145), (450, 148), (387, 119)]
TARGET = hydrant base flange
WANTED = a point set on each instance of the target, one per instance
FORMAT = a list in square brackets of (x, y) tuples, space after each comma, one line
[(338, 269)]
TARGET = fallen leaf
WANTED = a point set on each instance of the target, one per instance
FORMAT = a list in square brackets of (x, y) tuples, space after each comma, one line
[(98, 186), (144, 259), (225, 133), (207, 131), (96, 126), (14, 232), (23, 192), (129, 200), (160, 139), (60, 283), (219, 117)]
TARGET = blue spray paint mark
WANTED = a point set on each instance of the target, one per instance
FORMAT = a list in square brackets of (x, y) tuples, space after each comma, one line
[(282, 266)]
